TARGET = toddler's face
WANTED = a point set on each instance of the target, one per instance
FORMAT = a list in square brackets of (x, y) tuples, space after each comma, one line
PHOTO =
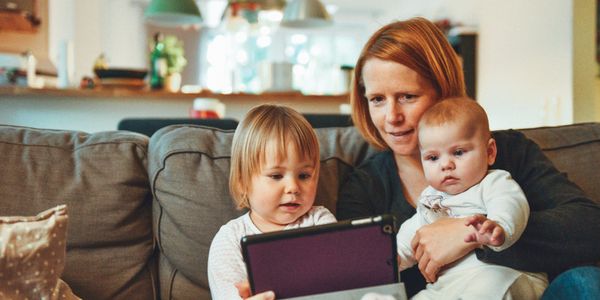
[(452, 161), (283, 190)]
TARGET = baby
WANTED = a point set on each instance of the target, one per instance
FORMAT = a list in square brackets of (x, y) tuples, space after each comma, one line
[(456, 150)]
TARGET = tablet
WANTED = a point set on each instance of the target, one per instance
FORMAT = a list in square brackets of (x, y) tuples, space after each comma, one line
[(325, 258)]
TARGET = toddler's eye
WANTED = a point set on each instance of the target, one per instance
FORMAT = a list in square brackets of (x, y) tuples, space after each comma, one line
[(459, 152), (275, 176), (305, 176)]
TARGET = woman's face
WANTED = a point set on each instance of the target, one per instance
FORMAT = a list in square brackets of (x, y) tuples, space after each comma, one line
[(398, 97)]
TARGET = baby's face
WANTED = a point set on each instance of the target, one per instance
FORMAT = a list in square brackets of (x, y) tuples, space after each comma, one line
[(284, 189), (452, 160)]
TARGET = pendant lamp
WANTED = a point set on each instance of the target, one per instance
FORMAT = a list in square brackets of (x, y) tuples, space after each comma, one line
[(304, 14), (173, 13)]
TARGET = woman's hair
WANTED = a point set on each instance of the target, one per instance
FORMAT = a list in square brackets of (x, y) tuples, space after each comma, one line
[(419, 45), (458, 110), (262, 125)]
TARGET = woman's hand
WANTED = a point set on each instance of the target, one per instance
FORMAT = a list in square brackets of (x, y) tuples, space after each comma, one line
[(245, 293), (439, 244)]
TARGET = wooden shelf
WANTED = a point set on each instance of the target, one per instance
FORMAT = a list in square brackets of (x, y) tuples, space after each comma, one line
[(145, 93)]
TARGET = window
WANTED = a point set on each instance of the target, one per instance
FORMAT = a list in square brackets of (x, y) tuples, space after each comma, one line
[(239, 56)]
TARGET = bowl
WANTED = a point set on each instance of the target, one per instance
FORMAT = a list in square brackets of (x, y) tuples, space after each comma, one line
[(121, 73)]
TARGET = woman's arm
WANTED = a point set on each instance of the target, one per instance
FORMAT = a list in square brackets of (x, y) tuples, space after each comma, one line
[(441, 243), (563, 230)]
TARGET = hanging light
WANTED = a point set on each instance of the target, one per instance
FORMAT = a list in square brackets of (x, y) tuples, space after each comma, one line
[(173, 13), (305, 13)]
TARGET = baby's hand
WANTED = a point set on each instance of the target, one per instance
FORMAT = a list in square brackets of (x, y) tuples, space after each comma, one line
[(488, 232)]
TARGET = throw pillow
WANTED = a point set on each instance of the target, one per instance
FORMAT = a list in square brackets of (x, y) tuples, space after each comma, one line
[(32, 256)]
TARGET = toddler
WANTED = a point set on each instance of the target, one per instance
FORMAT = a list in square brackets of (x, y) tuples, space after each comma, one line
[(274, 174)]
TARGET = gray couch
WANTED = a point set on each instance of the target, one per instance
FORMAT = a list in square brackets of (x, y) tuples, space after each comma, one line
[(142, 212)]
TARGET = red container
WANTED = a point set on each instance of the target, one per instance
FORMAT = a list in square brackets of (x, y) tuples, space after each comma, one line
[(203, 114), (207, 108)]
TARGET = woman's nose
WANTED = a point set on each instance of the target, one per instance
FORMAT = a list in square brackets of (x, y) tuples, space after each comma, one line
[(393, 112)]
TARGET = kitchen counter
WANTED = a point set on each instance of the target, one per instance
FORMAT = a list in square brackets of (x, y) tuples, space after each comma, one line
[(101, 109)]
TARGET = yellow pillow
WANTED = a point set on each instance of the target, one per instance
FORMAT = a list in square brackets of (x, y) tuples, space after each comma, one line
[(32, 256)]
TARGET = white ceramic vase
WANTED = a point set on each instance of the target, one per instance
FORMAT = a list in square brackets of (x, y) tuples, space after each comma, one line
[(173, 82)]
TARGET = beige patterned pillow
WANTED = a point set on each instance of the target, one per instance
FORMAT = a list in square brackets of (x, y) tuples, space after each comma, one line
[(32, 256)]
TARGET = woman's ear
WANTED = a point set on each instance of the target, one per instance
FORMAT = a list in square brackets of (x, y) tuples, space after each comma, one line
[(491, 151)]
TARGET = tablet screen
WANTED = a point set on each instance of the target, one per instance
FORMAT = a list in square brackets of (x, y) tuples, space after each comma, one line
[(325, 258)]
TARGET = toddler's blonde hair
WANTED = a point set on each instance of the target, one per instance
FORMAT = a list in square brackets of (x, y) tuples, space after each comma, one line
[(262, 124)]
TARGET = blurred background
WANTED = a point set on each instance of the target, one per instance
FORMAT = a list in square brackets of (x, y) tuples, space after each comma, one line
[(535, 57)]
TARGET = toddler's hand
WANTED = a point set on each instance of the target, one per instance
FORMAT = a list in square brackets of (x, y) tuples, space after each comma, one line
[(245, 293), (488, 232)]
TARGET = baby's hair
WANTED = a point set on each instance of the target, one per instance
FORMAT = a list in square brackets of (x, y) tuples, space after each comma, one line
[(262, 124), (458, 110)]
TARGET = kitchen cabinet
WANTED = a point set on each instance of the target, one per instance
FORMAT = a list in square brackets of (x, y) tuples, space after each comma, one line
[(465, 45)]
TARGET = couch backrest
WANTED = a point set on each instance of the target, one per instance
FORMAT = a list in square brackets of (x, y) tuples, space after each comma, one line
[(103, 179), (189, 171), (574, 150), (108, 180)]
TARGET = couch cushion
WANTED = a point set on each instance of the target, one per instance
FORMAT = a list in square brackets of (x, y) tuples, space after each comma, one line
[(103, 179), (189, 173), (574, 150)]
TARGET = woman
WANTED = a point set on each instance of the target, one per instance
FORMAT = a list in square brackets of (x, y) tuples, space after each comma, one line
[(403, 69)]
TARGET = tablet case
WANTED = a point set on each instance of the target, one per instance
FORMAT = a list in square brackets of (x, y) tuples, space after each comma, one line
[(325, 258)]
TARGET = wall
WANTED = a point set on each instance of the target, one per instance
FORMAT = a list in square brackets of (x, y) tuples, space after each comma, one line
[(525, 62), (532, 57), (586, 85), (92, 114)]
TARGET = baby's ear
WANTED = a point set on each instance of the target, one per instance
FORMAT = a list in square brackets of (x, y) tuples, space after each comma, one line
[(491, 151)]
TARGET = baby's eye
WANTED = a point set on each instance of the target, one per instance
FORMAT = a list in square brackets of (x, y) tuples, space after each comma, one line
[(431, 157), (459, 152), (305, 176)]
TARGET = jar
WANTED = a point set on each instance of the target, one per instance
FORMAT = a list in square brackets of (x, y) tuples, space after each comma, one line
[(207, 108)]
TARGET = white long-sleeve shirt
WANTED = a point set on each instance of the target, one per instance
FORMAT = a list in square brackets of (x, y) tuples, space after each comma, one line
[(497, 196), (225, 262)]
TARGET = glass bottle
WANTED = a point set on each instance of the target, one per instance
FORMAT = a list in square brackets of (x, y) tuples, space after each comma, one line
[(158, 62)]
